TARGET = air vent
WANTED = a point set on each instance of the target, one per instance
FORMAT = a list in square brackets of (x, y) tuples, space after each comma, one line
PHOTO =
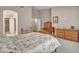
[(22, 6)]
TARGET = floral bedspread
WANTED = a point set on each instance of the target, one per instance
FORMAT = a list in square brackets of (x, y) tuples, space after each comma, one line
[(28, 43)]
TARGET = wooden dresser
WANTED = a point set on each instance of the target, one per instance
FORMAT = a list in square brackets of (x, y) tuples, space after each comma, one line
[(69, 34), (48, 27), (60, 33)]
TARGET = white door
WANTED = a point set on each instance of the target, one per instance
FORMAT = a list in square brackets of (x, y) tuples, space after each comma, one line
[(11, 23)]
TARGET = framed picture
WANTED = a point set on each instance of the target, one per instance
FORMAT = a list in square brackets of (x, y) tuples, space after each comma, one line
[(55, 19)]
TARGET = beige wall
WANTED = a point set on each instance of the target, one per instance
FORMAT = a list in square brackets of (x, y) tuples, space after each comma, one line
[(44, 15), (24, 16), (68, 16), (35, 13)]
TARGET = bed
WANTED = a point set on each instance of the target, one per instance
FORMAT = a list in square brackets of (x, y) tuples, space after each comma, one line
[(28, 43)]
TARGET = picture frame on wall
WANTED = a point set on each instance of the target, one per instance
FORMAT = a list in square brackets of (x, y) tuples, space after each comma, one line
[(55, 19)]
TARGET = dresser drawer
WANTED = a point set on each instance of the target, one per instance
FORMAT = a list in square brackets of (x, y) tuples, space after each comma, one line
[(61, 35), (72, 33), (60, 31), (74, 38)]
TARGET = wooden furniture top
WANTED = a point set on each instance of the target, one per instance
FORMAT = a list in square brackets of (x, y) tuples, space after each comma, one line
[(69, 29)]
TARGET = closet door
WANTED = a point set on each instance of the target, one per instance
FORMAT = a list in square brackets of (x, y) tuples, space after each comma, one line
[(10, 25), (6, 24)]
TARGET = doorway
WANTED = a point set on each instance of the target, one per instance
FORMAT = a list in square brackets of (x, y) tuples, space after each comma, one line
[(10, 22)]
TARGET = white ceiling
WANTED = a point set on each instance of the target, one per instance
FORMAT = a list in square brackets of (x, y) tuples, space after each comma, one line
[(42, 7)]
